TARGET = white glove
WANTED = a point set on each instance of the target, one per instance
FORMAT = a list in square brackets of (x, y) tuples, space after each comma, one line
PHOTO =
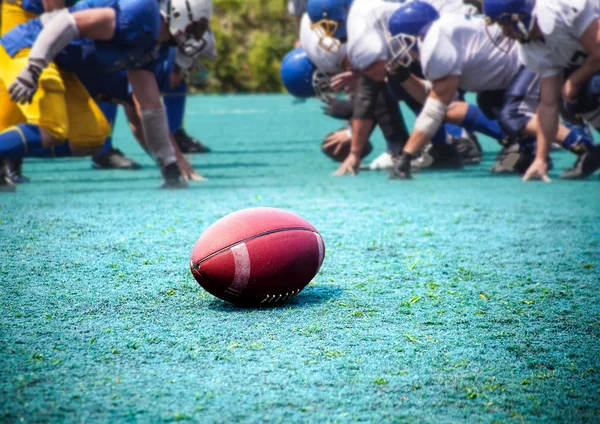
[(24, 87)]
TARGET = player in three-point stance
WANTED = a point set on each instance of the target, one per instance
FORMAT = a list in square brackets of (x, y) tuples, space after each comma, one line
[(128, 35), (559, 40)]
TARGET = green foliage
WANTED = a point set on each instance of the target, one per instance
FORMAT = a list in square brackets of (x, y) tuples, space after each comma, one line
[(252, 37)]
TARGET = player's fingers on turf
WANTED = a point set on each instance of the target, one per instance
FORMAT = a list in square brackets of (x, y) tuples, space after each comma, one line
[(194, 176), (546, 178)]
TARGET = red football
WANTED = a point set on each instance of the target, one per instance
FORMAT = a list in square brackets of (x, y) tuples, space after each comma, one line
[(257, 256)]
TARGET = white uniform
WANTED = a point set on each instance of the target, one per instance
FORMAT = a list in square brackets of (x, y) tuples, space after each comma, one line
[(367, 27), (562, 23), (330, 63), (460, 46)]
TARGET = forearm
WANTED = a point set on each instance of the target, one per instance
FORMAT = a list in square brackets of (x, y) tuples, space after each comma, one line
[(417, 88), (546, 129), (416, 142), (585, 72), (361, 129), (50, 5)]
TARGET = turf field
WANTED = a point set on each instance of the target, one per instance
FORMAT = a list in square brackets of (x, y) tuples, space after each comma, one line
[(456, 297)]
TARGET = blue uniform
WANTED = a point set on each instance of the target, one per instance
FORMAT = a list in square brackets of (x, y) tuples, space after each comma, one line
[(115, 88), (133, 46), (37, 6)]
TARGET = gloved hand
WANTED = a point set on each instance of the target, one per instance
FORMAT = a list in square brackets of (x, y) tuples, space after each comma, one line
[(24, 87)]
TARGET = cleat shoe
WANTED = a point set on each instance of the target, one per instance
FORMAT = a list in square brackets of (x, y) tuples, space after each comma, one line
[(439, 156), (13, 170), (189, 144), (113, 159), (423, 159), (506, 159), (586, 164), (469, 149), (6, 184), (173, 176), (511, 160), (382, 162)]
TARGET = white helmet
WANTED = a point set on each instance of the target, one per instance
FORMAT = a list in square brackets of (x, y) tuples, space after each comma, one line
[(192, 67), (187, 21)]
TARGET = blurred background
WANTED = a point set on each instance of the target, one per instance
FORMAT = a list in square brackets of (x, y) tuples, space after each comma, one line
[(252, 36)]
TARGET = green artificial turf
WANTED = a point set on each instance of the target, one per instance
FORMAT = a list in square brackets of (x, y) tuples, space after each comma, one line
[(456, 297)]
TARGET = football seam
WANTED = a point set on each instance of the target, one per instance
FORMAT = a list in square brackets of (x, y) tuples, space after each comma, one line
[(279, 230)]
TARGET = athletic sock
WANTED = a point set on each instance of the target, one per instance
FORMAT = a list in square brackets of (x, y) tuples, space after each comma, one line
[(60, 151), (441, 137), (16, 142), (174, 101), (476, 121), (110, 112), (578, 142)]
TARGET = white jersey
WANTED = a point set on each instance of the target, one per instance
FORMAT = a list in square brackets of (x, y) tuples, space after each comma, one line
[(367, 27), (461, 46), (330, 63), (562, 23)]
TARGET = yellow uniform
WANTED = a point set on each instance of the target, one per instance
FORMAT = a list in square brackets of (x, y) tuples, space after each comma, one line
[(61, 106)]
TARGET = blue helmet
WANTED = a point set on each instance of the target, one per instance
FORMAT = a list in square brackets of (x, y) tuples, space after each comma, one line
[(517, 12), (297, 74), (405, 26), (329, 19)]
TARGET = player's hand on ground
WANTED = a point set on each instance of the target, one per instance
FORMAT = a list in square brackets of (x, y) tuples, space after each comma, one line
[(337, 141), (537, 170), (349, 166), (188, 171), (344, 81), (24, 87)]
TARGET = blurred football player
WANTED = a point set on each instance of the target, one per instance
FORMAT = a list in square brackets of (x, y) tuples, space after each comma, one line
[(129, 35), (114, 89), (174, 98), (387, 114), (461, 53), (559, 40), (14, 13), (368, 53)]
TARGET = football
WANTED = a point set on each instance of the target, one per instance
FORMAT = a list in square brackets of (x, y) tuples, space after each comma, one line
[(257, 256), (343, 153)]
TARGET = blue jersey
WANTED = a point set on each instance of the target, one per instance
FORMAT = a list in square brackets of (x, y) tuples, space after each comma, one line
[(133, 45), (114, 87), (37, 6)]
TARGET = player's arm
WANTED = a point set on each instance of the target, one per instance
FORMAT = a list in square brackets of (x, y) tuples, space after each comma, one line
[(363, 120), (590, 40), (60, 28), (50, 5), (547, 115), (433, 113), (153, 116), (428, 122)]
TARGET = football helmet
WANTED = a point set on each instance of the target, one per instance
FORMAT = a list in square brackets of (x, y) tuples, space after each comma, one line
[(297, 74), (329, 19), (519, 13), (405, 26), (192, 67), (187, 21)]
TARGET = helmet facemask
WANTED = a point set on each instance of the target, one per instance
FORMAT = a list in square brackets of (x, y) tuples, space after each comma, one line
[(322, 85), (400, 48), (325, 30)]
